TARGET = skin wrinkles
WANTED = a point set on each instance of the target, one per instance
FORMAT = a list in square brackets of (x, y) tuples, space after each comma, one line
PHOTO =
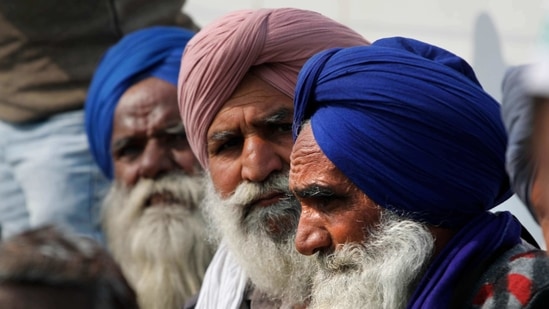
[(151, 215), (250, 137), (334, 210), (148, 138)]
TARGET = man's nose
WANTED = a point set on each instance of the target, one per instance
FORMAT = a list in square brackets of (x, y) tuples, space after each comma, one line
[(155, 161), (311, 235), (259, 159)]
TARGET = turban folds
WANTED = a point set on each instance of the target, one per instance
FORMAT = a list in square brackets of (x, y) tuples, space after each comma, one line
[(410, 125), (273, 44), (152, 52)]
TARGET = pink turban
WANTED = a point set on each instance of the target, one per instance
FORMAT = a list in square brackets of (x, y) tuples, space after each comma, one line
[(274, 43)]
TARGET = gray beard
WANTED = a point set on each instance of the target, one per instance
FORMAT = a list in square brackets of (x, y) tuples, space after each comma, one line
[(163, 250), (262, 239), (380, 273)]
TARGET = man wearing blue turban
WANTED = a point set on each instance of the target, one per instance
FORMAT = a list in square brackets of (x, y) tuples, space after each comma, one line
[(151, 214), (399, 159)]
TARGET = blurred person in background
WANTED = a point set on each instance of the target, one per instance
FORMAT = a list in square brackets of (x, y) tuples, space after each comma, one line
[(151, 215), (47, 268), (525, 95), (525, 118), (48, 53)]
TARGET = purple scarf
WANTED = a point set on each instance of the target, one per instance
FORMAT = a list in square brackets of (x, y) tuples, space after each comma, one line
[(474, 244)]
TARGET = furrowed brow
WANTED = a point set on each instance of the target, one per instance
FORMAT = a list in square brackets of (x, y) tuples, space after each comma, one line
[(221, 136), (278, 116), (120, 143), (314, 191), (175, 129)]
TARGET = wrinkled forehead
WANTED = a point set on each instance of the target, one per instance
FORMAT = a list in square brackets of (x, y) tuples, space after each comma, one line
[(253, 100), (308, 163), (151, 102), (313, 174)]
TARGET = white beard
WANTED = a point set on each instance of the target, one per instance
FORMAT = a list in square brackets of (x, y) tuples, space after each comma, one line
[(162, 249), (381, 273), (262, 239)]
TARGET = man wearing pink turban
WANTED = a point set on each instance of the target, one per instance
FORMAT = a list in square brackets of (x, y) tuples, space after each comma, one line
[(235, 91)]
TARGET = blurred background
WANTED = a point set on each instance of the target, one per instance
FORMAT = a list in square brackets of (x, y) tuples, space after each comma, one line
[(490, 34)]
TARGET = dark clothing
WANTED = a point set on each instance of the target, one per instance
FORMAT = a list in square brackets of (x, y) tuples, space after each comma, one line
[(49, 49)]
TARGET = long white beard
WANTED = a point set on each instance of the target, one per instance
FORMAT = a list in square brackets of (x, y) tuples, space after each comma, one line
[(163, 250), (381, 273), (262, 239)]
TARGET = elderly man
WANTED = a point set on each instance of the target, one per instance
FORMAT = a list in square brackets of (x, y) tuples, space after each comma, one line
[(399, 158), (48, 53), (151, 216), (235, 96), (47, 268)]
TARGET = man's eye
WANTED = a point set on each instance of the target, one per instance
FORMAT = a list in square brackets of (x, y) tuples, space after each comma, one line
[(228, 145), (284, 127), (128, 152)]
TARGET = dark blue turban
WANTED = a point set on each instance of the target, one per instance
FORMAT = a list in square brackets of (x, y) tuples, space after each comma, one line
[(410, 125), (151, 52)]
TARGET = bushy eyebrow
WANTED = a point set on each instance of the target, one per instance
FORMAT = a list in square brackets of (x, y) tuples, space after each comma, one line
[(178, 128), (314, 191), (280, 115), (221, 136), (120, 144)]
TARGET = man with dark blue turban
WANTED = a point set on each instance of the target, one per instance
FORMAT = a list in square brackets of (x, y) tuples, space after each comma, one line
[(399, 159), (151, 215)]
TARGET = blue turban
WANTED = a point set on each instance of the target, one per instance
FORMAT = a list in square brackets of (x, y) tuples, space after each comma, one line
[(409, 124), (152, 52)]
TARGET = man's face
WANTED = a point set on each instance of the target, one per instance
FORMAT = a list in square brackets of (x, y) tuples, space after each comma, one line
[(247, 199), (366, 257), (333, 210), (250, 138), (148, 138), (151, 215)]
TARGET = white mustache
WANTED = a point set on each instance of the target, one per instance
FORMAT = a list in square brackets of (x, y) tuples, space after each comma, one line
[(175, 184), (247, 192)]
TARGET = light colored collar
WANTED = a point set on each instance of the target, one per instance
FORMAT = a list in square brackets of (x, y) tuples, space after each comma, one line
[(224, 284)]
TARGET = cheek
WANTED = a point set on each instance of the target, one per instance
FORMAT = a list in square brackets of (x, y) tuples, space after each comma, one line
[(352, 226), (225, 176), (125, 174), (187, 161), (347, 228)]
